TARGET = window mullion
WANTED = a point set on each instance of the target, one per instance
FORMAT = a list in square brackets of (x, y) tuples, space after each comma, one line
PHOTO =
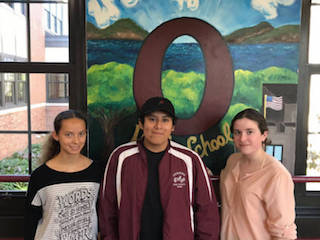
[(15, 89), (28, 89)]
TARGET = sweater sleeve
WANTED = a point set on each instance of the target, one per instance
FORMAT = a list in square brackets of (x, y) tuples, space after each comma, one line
[(207, 220), (33, 213), (281, 208), (108, 205)]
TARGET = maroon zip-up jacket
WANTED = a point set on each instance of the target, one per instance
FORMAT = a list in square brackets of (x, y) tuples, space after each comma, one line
[(189, 205)]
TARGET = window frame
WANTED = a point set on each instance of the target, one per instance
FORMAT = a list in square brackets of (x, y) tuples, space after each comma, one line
[(307, 202), (75, 68)]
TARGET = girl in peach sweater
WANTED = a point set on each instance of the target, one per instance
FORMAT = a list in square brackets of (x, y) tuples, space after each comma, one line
[(257, 191)]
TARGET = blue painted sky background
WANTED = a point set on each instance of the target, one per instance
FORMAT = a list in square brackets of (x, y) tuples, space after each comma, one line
[(225, 15)]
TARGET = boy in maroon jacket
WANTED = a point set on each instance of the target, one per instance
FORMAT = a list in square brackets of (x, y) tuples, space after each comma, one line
[(156, 189)]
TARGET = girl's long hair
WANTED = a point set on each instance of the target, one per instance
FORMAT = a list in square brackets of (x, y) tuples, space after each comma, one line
[(51, 147)]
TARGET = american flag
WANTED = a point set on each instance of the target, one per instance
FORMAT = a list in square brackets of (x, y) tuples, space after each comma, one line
[(274, 103)]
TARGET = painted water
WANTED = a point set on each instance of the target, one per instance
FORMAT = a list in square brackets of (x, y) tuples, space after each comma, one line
[(252, 57)]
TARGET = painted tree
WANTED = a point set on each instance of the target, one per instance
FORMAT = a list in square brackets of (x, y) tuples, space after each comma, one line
[(110, 98)]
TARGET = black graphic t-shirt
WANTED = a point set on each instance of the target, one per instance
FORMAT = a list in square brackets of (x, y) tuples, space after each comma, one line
[(62, 205), (152, 213)]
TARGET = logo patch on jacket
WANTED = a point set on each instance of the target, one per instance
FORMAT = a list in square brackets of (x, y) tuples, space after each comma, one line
[(179, 179)]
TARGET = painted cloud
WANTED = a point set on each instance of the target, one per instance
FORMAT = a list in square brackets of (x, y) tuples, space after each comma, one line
[(269, 7)]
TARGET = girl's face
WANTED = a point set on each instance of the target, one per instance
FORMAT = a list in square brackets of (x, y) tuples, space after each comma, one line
[(247, 136), (72, 135)]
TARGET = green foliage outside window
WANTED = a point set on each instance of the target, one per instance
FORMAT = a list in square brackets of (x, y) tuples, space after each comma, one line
[(17, 164)]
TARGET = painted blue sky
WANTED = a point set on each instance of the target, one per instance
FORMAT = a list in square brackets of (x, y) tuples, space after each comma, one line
[(225, 15)]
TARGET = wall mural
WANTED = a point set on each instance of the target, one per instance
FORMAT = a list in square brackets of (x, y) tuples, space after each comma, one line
[(211, 58)]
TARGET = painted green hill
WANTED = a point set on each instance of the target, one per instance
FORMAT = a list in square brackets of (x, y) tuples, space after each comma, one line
[(122, 29), (264, 33), (110, 87)]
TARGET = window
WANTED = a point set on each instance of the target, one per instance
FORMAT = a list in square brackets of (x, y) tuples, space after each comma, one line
[(58, 88), (314, 48), (13, 43), (10, 4), (41, 74), (13, 90), (48, 16), (308, 127), (55, 14), (23, 9), (275, 151), (313, 150)]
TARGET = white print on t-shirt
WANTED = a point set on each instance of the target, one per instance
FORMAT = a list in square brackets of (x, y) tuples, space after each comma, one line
[(74, 214), (179, 179)]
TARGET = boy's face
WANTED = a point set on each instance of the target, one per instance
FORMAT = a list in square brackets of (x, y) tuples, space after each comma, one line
[(157, 129)]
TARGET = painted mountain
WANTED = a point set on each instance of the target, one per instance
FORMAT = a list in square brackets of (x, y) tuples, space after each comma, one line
[(124, 29), (264, 32)]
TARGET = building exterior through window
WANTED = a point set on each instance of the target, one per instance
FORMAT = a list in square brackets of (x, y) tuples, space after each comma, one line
[(38, 32)]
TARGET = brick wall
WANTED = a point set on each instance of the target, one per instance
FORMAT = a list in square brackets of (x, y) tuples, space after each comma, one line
[(42, 120)]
